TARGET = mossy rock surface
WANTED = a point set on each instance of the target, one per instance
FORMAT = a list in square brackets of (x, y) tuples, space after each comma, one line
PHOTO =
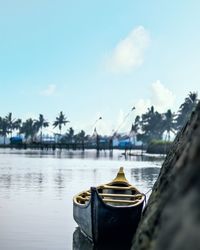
[(171, 220)]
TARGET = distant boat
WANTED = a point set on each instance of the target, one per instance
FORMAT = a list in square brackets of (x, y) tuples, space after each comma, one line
[(109, 212)]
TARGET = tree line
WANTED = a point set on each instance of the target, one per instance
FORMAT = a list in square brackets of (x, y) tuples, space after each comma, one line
[(153, 125), (149, 126)]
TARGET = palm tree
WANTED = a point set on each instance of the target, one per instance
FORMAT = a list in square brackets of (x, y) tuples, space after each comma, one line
[(70, 135), (168, 123), (136, 125), (29, 128), (17, 124), (9, 121), (4, 128), (81, 137), (60, 121), (186, 109), (192, 97), (151, 126), (41, 123), (12, 123)]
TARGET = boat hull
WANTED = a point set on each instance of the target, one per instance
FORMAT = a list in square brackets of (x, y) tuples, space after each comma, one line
[(102, 222)]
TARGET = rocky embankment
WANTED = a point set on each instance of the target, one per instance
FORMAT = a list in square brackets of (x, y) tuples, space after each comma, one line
[(171, 220)]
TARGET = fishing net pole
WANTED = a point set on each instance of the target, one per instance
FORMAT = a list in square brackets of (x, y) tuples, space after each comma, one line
[(120, 125)]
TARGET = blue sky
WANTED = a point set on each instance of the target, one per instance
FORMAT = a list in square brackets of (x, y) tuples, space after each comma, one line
[(97, 58)]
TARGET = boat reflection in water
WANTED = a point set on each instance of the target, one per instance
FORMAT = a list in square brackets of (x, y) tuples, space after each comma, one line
[(81, 242)]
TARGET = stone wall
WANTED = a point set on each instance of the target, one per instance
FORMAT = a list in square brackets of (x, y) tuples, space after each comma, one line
[(171, 220)]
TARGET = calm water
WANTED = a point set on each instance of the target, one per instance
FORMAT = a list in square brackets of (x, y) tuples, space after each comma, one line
[(36, 190)]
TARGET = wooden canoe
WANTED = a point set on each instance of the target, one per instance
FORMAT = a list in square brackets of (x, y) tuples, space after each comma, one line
[(109, 212)]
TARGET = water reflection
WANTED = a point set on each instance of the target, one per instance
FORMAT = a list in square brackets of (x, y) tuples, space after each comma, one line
[(5, 180), (80, 242), (60, 182), (26, 179), (146, 175), (135, 155), (31, 180), (36, 190)]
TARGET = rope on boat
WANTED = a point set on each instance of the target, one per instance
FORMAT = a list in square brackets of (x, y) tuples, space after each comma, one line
[(148, 191), (145, 196)]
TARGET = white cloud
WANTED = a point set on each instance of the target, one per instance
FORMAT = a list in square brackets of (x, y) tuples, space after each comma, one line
[(120, 118), (108, 127), (160, 97), (104, 126), (49, 91), (129, 52), (142, 105)]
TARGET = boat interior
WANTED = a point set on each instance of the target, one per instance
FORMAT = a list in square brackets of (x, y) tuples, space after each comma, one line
[(117, 196), (116, 193)]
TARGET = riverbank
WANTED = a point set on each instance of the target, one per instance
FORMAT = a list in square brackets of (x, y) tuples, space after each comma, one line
[(155, 147), (171, 218), (68, 146), (159, 147)]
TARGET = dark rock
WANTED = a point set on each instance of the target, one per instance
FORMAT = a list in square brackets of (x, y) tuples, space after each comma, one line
[(171, 220)]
